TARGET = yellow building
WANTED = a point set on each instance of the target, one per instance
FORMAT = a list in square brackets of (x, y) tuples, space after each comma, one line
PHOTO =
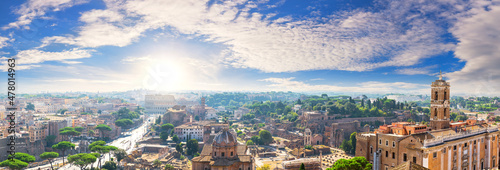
[(443, 145)]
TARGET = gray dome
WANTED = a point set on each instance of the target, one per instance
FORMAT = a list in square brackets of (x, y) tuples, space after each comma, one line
[(225, 138)]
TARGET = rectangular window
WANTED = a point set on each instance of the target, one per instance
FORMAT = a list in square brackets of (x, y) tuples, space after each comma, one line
[(386, 154), (434, 155), (404, 157), (393, 156), (393, 144), (414, 159), (386, 143), (455, 147)]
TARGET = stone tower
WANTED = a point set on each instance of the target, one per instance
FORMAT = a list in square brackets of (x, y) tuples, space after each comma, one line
[(440, 104)]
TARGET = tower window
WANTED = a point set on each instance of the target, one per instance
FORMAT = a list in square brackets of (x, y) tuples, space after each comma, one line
[(436, 95), (386, 154)]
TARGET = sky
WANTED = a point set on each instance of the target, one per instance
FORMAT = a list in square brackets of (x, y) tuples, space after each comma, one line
[(338, 46)]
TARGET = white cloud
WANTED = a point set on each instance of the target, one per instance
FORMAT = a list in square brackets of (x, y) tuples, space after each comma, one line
[(37, 56), (354, 41), (136, 59), (417, 70), (289, 84), (3, 41), (37, 9), (316, 79), (29, 59), (478, 34)]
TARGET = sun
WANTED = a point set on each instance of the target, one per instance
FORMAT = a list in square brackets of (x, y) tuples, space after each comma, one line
[(165, 74)]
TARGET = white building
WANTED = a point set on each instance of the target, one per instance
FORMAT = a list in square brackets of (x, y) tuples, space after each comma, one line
[(297, 107), (189, 131), (158, 104), (221, 109), (211, 114)]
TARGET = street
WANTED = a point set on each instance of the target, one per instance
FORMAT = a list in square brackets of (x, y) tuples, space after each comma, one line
[(126, 143)]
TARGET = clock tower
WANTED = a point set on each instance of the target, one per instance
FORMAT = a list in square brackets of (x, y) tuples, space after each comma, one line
[(440, 104)]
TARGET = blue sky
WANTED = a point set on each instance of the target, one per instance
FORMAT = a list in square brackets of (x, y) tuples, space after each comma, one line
[(342, 46)]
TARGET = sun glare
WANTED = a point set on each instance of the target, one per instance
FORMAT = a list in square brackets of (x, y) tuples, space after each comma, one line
[(165, 75)]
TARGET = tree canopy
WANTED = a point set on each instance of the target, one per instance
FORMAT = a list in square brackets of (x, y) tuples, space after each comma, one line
[(356, 163), (265, 137), (124, 123), (63, 146), (82, 160), (50, 156), (192, 146), (23, 157), (13, 164)]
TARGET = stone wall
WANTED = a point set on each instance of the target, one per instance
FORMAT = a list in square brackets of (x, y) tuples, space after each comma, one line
[(22, 145)]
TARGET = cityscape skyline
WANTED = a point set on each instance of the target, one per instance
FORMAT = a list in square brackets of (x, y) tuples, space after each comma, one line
[(372, 47)]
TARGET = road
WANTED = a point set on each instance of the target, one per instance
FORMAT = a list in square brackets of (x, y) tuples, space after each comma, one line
[(126, 143)]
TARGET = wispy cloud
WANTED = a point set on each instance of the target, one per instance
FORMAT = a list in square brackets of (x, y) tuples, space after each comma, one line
[(29, 59), (365, 87), (34, 9), (316, 79), (136, 59), (417, 70), (3, 41), (355, 40)]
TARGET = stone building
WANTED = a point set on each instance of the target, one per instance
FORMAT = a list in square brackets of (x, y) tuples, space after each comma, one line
[(440, 104), (176, 115), (224, 153), (342, 130), (469, 146), (158, 104)]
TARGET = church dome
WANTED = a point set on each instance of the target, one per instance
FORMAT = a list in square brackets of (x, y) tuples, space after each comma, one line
[(225, 138)]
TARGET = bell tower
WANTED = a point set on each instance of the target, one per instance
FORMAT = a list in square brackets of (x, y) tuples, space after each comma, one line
[(440, 104)]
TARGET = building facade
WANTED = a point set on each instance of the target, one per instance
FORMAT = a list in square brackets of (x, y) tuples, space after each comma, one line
[(467, 145), (224, 153), (158, 104)]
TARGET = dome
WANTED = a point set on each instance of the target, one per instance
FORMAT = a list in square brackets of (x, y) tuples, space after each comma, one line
[(225, 138)]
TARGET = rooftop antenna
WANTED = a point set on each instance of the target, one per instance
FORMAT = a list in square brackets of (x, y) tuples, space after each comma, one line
[(440, 75)]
